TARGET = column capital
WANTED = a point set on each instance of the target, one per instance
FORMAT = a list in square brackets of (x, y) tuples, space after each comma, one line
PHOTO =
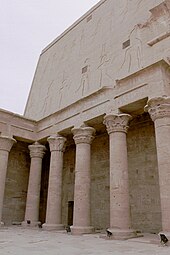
[(158, 107), (37, 150), (117, 122), (6, 143), (83, 134), (57, 143)]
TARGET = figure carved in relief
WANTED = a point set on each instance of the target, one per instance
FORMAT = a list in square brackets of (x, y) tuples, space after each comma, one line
[(47, 100), (65, 85), (104, 61), (84, 83), (132, 55)]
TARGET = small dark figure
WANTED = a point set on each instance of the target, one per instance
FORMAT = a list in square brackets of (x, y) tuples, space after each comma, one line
[(109, 234), (68, 229), (40, 225), (28, 222), (163, 238)]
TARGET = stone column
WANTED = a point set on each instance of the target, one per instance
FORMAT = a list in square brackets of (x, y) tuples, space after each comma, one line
[(37, 152), (6, 144), (159, 110), (120, 219), (53, 213), (83, 138)]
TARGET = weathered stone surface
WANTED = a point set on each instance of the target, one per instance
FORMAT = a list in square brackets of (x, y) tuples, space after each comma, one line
[(16, 184), (98, 47), (143, 176), (83, 138), (54, 199), (159, 109), (6, 144), (108, 63), (37, 152)]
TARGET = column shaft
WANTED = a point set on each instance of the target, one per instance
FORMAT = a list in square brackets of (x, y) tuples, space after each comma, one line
[(163, 155), (6, 144), (120, 220), (119, 183), (53, 213), (33, 194), (82, 186), (37, 152), (83, 137), (159, 110)]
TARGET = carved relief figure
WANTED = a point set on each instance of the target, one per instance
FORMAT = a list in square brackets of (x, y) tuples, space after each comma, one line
[(104, 62), (132, 55), (64, 87), (84, 83), (47, 100)]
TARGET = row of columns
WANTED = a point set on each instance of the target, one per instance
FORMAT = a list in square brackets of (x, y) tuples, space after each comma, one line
[(117, 127)]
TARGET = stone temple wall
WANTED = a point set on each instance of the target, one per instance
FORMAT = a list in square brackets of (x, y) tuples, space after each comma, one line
[(143, 176), (68, 181), (100, 182), (108, 43), (16, 184)]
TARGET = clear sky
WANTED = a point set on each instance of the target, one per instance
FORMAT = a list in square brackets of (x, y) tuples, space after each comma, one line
[(26, 27)]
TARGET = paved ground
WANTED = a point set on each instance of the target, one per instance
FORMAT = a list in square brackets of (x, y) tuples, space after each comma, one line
[(18, 241)]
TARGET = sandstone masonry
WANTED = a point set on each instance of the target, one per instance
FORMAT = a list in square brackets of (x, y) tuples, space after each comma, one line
[(92, 150)]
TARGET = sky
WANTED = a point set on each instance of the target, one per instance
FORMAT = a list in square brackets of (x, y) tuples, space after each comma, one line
[(26, 27)]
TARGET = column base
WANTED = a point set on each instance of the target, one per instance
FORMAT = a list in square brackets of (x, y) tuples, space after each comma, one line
[(2, 224), (50, 227), (81, 230), (167, 234), (121, 234), (31, 224)]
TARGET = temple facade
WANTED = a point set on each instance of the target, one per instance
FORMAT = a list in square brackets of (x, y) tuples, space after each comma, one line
[(92, 149)]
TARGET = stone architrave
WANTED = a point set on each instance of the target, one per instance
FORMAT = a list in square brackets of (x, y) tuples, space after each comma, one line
[(6, 144), (53, 213), (37, 152), (159, 110), (83, 138), (120, 219)]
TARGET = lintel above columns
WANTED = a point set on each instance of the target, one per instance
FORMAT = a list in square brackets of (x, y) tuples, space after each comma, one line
[(6, 144), (120, 219)]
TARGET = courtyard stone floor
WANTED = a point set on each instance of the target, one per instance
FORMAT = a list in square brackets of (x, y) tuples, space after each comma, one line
[(19, 241)]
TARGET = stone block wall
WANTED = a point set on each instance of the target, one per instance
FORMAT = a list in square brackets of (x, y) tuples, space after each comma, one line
[(16, 184), (100, 182), (143, 176), (68, 181)]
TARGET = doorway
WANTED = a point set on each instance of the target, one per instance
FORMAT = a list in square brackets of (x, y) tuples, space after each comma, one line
[(70, 213)]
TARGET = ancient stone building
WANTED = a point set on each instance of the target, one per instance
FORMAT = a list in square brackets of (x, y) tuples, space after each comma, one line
[(93, 147)]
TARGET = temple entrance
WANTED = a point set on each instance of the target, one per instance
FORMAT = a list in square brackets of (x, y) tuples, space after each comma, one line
[(70, 213)]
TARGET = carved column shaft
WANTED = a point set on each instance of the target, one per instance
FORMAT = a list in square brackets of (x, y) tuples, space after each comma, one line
[(37, 152), (53, 214), (6, 144), (120, 220), (82, 219), (159, 110)]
